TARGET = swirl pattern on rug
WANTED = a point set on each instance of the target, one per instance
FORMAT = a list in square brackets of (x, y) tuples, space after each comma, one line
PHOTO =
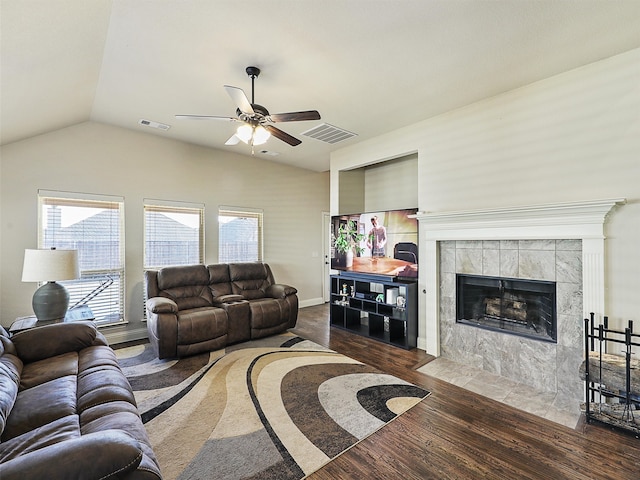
[(275, 408)]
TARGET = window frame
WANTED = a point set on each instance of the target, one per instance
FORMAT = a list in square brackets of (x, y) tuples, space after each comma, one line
[(101, 276)]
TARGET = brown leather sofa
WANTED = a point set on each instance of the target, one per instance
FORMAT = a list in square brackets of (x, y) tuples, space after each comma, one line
[(199, 308), (67, 410)]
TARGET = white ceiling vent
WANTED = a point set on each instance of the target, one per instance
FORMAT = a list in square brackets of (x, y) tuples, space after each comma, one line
[(269, 153), (328, 133), (152, 124)]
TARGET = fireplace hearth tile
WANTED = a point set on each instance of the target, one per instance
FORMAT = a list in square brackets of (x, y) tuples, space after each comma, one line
[(448, 257), (491, 262), (469, 260), (508, 263), (526, 397), (549, 405), (509, 244), (569, 299), (569, 266), (571, 333), (537, 245), (537, 264), (491, 386)]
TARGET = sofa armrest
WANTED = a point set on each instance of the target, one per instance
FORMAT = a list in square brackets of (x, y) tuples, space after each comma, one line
[(279, 290), (162, 305), (106, 454), (51, 340)]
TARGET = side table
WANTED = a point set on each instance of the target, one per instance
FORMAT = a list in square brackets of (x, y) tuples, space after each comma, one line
[(22, 323)]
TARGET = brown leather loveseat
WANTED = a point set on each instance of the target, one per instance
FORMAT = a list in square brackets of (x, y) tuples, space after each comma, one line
[(199, 308), (67, 410)]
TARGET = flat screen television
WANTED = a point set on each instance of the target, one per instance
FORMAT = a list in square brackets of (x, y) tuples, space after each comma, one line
[(376, 243)]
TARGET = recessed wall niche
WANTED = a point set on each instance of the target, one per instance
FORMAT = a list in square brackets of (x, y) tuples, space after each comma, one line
[(386, 185)]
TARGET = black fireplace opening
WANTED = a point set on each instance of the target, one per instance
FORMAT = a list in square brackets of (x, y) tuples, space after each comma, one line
[(510, 305)]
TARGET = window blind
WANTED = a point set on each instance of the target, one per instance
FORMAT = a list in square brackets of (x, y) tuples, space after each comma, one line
[(240, 236), (173, 236)]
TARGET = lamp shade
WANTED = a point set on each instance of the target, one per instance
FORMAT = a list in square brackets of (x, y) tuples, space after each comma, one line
[(50, 265)]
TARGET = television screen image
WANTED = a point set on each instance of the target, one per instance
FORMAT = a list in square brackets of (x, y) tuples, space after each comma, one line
[(378, 243)]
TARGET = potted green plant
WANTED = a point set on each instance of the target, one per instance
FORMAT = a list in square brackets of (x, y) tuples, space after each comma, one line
[(348, 240)]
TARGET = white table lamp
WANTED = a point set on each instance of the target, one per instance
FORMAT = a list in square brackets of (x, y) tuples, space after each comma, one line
[(51, 300)]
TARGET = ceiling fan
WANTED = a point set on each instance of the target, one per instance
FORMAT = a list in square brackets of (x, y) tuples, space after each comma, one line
[(256, 120)]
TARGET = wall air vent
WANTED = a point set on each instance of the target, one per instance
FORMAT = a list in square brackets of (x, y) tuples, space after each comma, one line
[(152, 124), (328, 133)]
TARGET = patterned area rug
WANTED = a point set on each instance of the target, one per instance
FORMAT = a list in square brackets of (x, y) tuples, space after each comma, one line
[(276, 408)]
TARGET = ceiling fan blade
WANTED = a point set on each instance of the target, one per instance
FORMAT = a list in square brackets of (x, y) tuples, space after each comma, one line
[(284, 136), (240, 99), (206, 117), (233, 140), (295, 116)]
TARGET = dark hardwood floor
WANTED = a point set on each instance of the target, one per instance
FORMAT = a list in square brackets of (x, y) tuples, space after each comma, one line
[(456, 434)]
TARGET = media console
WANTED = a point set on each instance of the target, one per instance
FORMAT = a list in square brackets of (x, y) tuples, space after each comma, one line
[(378, 307)]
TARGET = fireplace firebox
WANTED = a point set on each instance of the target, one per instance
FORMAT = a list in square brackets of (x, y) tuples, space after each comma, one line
[(510, 305)]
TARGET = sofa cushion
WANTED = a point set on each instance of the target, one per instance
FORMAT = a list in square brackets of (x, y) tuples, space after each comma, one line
[(201, 324), (65, 428), (219, 281), (250, 280), (43, 371), (268, 312), (188, 286), (108, 454), (51, 340), (42, 404)]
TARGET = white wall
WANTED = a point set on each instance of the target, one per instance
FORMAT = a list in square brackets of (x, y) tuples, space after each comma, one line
[(386, 186), (572, 137), (101, 159)]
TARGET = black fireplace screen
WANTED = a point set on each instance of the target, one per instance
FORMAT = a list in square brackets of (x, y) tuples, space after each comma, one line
[(510, 305)]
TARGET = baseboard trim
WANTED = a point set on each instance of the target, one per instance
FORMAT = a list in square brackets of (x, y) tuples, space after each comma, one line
[(311, 302), (124, 336)]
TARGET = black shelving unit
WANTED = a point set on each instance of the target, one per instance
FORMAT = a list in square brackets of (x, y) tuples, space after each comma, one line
[(370, 307)]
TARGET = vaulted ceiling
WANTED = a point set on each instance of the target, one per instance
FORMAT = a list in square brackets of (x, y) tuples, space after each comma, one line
[(368, 66)]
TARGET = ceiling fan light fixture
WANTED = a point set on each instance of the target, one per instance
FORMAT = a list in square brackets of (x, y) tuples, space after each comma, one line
[(244, 133), (251, 135), (260, 135)]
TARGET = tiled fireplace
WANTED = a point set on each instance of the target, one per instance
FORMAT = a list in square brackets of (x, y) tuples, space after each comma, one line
[(562, 244), (532, 361)]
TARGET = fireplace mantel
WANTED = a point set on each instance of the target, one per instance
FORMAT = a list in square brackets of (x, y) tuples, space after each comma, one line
[(576, 220)]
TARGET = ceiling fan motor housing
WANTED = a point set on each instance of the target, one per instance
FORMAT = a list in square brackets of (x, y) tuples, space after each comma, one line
[(253, 71)]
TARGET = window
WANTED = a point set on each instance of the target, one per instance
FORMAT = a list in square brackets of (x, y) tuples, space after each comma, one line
[(93, 225), (173, 235), (240, 235)]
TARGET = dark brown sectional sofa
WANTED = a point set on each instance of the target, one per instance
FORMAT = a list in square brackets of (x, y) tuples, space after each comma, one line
[(199, 308), (67, 410)]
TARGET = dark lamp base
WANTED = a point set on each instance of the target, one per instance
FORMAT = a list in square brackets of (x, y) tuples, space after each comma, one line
[(50, 302)]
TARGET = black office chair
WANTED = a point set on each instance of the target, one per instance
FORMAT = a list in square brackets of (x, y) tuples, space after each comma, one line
[(406, 251)]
